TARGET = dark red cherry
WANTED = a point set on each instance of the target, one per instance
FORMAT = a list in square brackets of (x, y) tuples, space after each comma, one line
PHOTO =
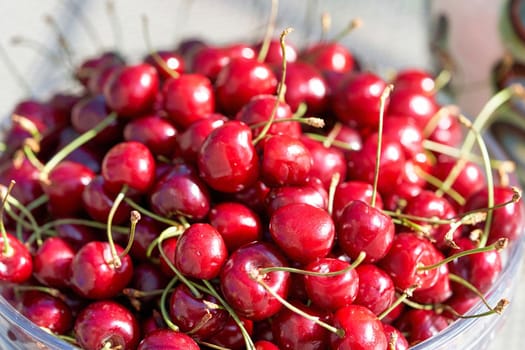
[(200, 252), (129, 163), (106, 324), (131, 90), (77, 235), (363, 228), (362, 329), (239, 280), (172, 63), (147, 277), (376, 288), (188, 98), (47, 311), (333, 292), (230, 336), (326, 161), (416, 80), (240, 80), (167, 339), (146, 231), (349, 191), (237, 224), (357, 101), (419, 325), (52, 262), (27, 177), (167, 260), (94, 273), (16, 264), (157, 133), (329, 56), (200, 317), (419, 106), (303, 232), (284, 195), (285, 161), (91, 65), (227, 160), (293, 331), (209, 61), (100, 77)]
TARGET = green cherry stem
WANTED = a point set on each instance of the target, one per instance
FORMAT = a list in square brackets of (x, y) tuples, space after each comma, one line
[(334, 181), (150, 214), (162, 305), (7, 249), (118, 199), (263, 51), (336, 143), (172, 231), (134, 219), (153, 53), (406, 294)]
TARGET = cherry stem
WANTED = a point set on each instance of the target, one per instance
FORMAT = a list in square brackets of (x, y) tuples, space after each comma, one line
[(15, 72), (7, 250), (338, 331), (334, 181), (353, 25), (441, 80), (330, 138), (280, 90), (406, 294), (37, 47), (62, 41), (77, 142), (212, 346), (438, 183), (498, 309), (135, 293), (153, 53), (134, 219), (265, 270), (24, 211), (179, 275), (162, 305), (115, 25), (336, 143), (246, 336), (51, 291), (116, 203), (170, 232), (326, 24), (471, 287), (150, 214), (263, 51), (382, 101), (498, 245)]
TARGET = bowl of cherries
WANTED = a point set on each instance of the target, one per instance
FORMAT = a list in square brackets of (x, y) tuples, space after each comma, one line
[(254, 195)]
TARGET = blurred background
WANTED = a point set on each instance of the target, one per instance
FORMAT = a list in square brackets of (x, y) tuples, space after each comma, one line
[(482, 41)]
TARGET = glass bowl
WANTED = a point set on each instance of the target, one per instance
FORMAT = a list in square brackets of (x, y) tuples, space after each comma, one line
[(397, 46)]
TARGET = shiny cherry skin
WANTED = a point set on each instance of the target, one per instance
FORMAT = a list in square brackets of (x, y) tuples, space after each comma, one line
[(227, 160), (348, 191), (52, 262), (230, 336), (470, 179), (357, 101), (240, 80), (293, 331), (200, 317), (439, 292), (188, 98), (404, 128), (303, 232), (156, 132), (416, 80), (285, 161), (16, 265), (237, 224), (333, 292), (106, 322), (376, 288), (27, 177), (201, 252), (448, 130), (129, 163), (420, 325), (167, 260), (173, 63), (167, 339), (274, 56), (239, 285), (64, 187), (47, 311), (329, 56), (419, 106), (209, 61), (363, 228), (280, 196), (265, 345), (131, 90), (362, 329), (94, 274), (407, 254), (391, 333)]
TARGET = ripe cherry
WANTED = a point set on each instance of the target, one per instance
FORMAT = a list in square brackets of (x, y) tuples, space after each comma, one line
[(167, 339), (52, 262), (419, 325), (47, 311), (376, 288), (157, 133), (173, 63), (329, 56), (349, 191), (16, 264), (284, 195), (415, 80), (419, 106)]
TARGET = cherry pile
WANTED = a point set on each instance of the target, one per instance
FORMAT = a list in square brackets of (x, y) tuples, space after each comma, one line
[(250, 195)]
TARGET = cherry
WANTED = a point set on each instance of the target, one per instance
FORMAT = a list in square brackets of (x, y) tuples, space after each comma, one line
[(285, 161), (362, 329), (470, 178), (407, 132), (284, 195), (293, 331), (237, 224), (240, 280), (147, 277), (106, 324), (447, 131), (157, 133), (420, 325), (200, 252), (64, 187), (52, 262), (131, 90), (200, 317), (129, 163), (349, 191), (91, 65), (94, 274), (209, 61), (404, 260), (169, 245), (146, 231), (188, 98), (230, 336), (171, 62), (27, 177), (227, 160), (302, 231), (331, 292), (265, 345), (357, 101), (329, 56), (77, 235), (395, 336), (47, 311), (419, 106), (376, 288), (240, 80), (16, 264), (415, 80), (274, 54), (363, 228), (439, 292), (167, 339), (100, 77)]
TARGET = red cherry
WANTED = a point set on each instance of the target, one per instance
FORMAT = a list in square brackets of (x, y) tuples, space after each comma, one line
[(439, 292), (239, 283), (173, 63), (47, 311), (391, 332), (16, 264), (209, 61), (52, 262), (265, 345), (106, 322), (470, 179), (230, 336), (329, 56), (274, 56), (91, 65), (166, 339), (284, 195), (349, 191), (227, 160), (131, 90), (376, 288), (419, 325), (157, 133), (416, 80), (419, 106)]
